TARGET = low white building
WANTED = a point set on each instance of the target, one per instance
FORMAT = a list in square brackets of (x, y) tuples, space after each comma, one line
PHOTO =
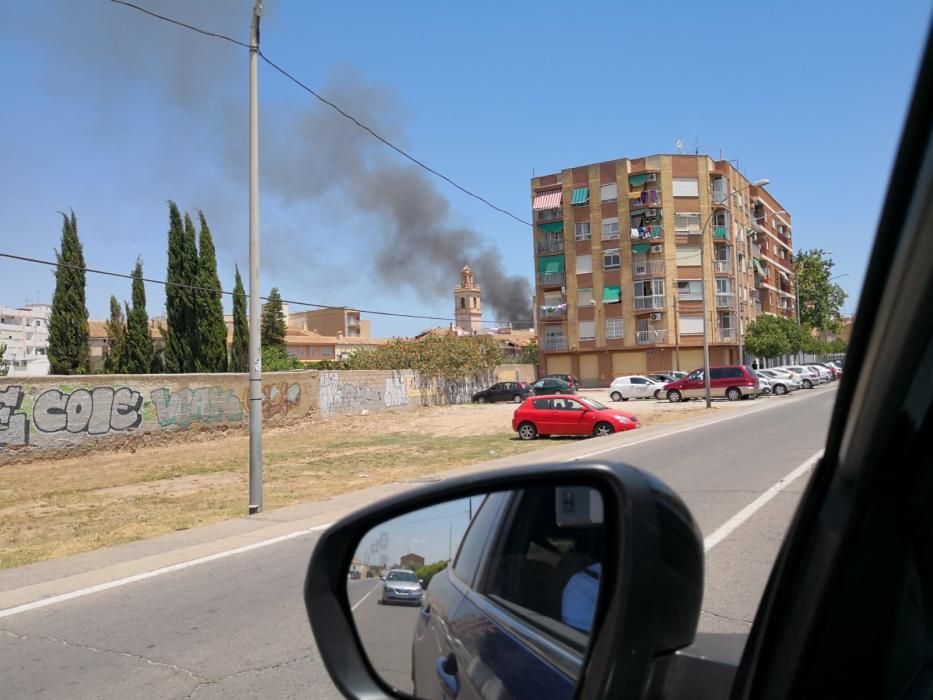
[(25, 332)]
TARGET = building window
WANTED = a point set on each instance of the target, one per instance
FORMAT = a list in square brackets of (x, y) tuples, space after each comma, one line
[(611, 259), (587, 330), (688, 255), (684, 221), (581, 231), (584, 264), (584, 296), (462, 303), (723, 285), (685, 187), (610, 229), (553, 298), (609, 192), (689, 290), (613, 328), (690, 325)]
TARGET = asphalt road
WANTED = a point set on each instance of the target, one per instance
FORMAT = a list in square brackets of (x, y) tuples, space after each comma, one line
[(236, 627)]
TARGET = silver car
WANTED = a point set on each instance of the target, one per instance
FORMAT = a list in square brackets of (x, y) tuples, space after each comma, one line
[(782, 381), (401, 586), (808, 377)]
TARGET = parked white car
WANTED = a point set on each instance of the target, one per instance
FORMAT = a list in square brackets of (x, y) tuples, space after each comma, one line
[(809, 378), (635, 387), (825, 374), (782, 381), (764, 381)]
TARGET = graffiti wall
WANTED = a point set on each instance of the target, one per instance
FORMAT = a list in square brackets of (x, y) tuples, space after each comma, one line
[(62, 412)]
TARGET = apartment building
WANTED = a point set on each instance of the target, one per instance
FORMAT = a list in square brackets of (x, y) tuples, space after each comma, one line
[(342, 321), (25, 333), (625, 249)]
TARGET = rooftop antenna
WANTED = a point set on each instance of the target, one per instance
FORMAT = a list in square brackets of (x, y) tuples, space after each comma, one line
[(680, 145), (696, 145)]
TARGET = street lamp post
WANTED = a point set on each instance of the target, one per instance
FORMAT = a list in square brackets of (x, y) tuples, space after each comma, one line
[(706, 380)]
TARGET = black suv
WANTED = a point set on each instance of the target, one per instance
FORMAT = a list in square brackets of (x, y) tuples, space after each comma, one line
[(516, 392)]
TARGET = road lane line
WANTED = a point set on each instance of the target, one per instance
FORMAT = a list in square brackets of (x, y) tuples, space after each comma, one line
[(733, 523), (81, 592), (360, 601), (669, 433)]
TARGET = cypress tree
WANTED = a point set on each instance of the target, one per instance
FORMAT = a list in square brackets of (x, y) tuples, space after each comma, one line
[(212, 329), (68, 328), (180, 300), (239, 353), (273, 321), (115, 361), (139, 349)]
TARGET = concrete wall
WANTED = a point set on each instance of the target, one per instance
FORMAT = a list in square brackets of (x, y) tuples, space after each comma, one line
[(67, 412), (516, 373)]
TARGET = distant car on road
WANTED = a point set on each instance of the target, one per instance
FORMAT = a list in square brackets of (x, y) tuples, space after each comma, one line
[(569, 378), (355, 575), (552, 385), (569, 415), (733, 382), (635, 387), (516, 392), (401, 586)]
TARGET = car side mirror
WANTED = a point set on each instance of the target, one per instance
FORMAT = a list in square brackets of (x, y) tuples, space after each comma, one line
[(613, 571)]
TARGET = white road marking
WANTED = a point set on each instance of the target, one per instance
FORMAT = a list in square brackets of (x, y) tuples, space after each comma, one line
[(666, 434), (733, 523), (81, 592), (360, 601)]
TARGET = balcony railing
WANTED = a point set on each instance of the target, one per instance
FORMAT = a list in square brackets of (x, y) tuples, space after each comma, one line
[(550, 246), (722, 266), (650, 337), (553, 314), (727, 333), (647, 268), (555, 343), (551, 279), (655, 301), (727, 300), (545, 215)]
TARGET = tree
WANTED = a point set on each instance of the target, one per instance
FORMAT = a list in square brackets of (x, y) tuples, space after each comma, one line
[(115, 361), (434, 356), (181, 346), (769, 336), (239, 352), (68, 328), (212, 329), (529, 354), (4, 364), (139, 349), (273, 321), (821, 300), (275, 358)]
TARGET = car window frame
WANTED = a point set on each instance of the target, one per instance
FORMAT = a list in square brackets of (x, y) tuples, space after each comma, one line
[(455, 577)]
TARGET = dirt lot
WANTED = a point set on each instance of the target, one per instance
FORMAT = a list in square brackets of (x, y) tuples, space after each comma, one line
[(63, 506)]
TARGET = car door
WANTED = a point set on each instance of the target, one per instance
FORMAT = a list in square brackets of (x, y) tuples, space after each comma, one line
[(512, 638), (564, 417), (495, 392), (694, 387), (641, 387)]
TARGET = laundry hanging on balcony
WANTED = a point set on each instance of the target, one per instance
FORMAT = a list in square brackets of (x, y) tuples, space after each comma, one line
[(551, 309), (642, 233), (649, 197)]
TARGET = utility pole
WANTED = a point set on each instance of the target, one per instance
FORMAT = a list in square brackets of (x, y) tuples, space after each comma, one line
[(255, 310)]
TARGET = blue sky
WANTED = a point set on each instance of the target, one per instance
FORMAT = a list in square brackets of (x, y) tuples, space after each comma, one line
[(115, 113)]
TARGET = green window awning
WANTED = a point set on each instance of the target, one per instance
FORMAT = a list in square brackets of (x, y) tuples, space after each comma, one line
[(758, 267), (637, 180), (612, 295), (720, 232), (580, 196), (555, 227), (641, 247), (551, 265)]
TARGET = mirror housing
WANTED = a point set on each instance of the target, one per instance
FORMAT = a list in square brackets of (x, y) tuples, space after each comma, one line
[(649, 603)]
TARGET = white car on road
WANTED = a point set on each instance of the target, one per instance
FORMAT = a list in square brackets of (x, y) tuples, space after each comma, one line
[(635, 386)]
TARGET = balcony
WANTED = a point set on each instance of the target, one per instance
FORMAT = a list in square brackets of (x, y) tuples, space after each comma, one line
[(655, 301), (721, 232), (549, 246), (551, 279), (725, 300), (554, 343), (648, 268), (545, 215), (727, 333), (722, 267), (553, 313), (650, 337)]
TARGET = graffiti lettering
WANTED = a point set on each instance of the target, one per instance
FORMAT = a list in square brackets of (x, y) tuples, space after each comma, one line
[(14, 427), (396, 392), (208, 404), (277, 399), (95, 412), (336, 397)]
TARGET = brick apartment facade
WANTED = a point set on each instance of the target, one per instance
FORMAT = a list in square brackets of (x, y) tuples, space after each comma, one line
[(618, 282)]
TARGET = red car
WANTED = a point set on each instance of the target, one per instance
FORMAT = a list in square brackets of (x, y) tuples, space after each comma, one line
[(732, 382), (568, 415)]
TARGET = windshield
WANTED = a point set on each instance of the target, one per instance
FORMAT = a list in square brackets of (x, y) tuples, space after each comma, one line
[(402, 576), (592, 403)]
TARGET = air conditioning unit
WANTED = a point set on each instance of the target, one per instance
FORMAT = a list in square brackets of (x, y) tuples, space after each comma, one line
[(657, 248), (655, 317), (652, 177), (651, 212)]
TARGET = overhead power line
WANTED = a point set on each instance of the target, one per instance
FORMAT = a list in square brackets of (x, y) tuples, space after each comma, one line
[(330, 104), (294, 302)]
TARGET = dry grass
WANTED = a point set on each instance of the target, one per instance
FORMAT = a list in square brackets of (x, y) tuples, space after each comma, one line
[(64, 506)]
